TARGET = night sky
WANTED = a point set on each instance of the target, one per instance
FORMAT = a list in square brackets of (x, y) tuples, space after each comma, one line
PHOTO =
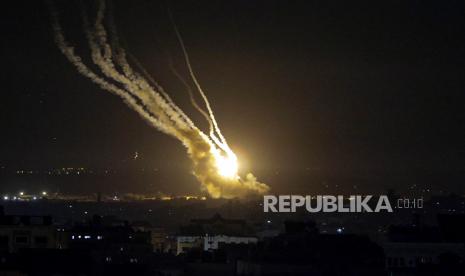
[(308, 93)]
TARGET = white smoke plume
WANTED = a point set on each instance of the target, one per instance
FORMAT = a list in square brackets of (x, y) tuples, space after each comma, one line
[(214, 163)]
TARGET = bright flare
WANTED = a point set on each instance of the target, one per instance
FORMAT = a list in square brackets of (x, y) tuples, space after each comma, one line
[(227, 165)]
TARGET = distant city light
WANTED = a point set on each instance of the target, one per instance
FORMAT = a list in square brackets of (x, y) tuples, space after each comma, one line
[(21, 193), (34, 198), (5, 198), (44, 193)]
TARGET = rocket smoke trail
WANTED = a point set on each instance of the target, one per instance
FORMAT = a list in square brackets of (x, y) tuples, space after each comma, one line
[(210, 116), (214, 163)]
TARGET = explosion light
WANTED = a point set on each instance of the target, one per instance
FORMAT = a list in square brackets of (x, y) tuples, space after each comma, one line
[(227, 166)]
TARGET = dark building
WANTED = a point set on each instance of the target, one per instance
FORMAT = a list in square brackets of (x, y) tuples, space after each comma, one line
[(301, 250), (20, 232), (420, 249), (112, 242)]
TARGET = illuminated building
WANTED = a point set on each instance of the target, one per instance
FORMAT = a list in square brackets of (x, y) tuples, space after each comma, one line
[(208, 234)]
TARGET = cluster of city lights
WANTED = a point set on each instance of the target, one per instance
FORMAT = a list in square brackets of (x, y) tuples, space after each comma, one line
[(59, 171), (21, 196)]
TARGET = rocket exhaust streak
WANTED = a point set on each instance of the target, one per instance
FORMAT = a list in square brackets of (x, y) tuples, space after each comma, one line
[(191, 96), (223, 144), (214, 163)]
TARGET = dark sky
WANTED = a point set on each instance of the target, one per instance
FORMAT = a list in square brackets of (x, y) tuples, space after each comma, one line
[(367, 93)]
